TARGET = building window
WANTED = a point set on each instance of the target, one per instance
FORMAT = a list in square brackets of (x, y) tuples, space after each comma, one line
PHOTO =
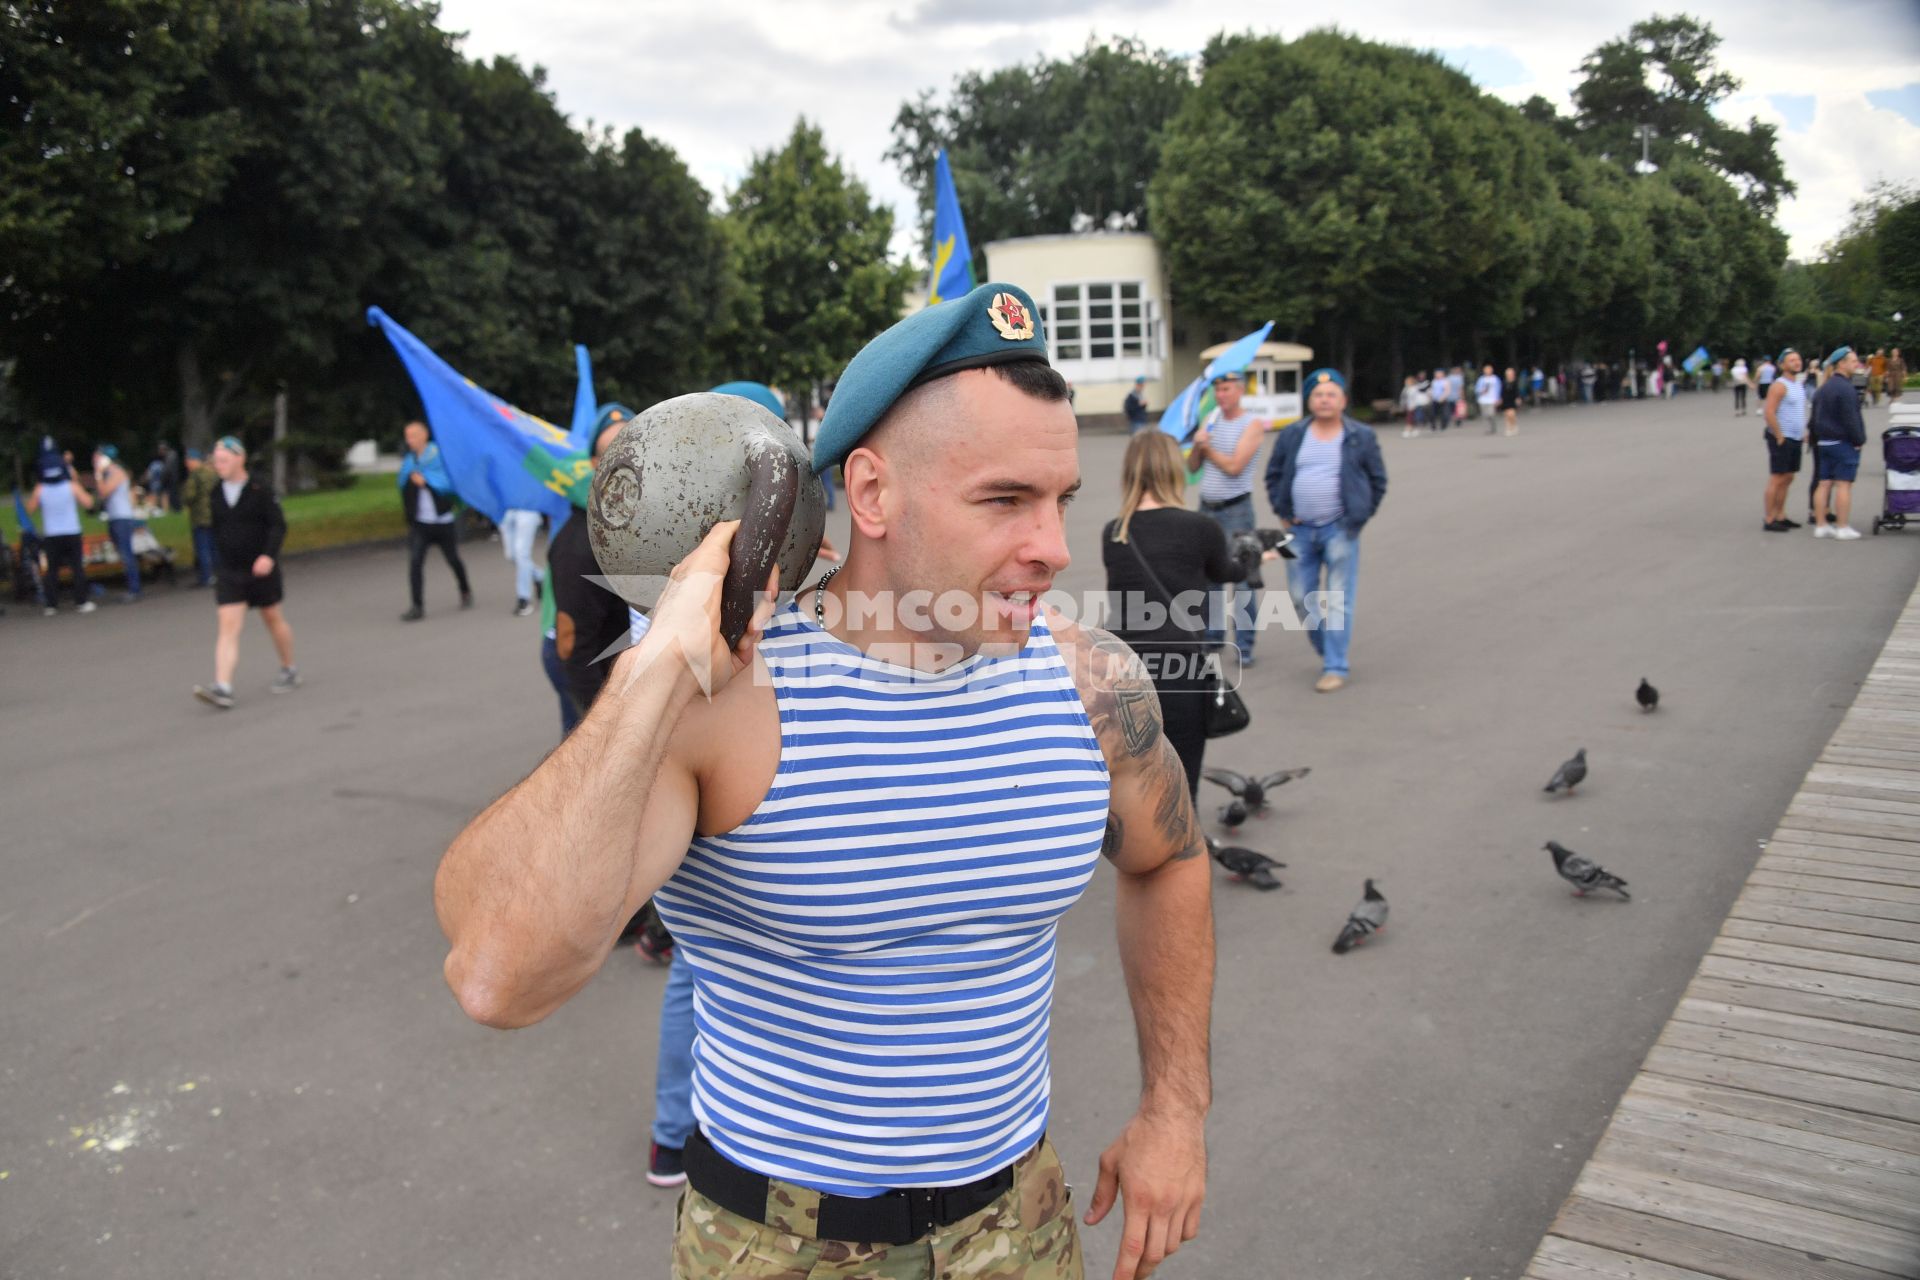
[(1104, 320)]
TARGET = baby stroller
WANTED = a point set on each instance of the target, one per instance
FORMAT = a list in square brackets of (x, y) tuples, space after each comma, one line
[(1900, 444)]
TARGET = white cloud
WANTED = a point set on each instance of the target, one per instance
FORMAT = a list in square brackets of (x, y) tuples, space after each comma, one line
[(725, 78)]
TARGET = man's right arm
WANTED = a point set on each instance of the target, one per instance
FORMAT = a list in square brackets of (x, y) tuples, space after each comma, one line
[(533, 893)]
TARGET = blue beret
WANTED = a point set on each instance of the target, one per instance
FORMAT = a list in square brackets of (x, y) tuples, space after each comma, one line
[(1319, 376), (605, 417), (758, 392), (1839, 354), (995, 324), (1784, 353), (108, 452), (195, 455)]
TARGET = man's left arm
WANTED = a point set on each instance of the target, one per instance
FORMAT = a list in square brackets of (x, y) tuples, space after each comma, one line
[(1164, 918), (1375, 464)]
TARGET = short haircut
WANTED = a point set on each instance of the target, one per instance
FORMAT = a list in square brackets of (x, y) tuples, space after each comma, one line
[(1034, 378)]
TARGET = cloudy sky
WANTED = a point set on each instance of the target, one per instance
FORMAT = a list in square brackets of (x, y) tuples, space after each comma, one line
[(720, 79)]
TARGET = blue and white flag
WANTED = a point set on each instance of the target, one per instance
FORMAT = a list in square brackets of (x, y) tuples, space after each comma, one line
[(499, 458)]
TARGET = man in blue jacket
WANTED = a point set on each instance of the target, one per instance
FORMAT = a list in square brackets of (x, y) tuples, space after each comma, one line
[(1838, 434), (1325, 480)]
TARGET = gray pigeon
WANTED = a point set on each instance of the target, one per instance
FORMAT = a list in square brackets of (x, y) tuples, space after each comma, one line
[(1369, 917), (1244, 864), (1583, 874), (1571, 774), (1647, 696), (1252, 792), (1232, 813)]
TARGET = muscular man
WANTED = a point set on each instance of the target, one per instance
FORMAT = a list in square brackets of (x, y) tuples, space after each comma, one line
[(864, 840)]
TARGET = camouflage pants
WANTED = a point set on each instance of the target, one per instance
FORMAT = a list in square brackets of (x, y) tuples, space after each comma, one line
[(1027, 1234)]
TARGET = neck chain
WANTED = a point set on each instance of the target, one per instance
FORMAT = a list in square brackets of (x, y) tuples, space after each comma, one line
[(820, 597)]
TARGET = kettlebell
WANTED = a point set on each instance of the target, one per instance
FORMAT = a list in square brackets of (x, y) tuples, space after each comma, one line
[(685, 465)]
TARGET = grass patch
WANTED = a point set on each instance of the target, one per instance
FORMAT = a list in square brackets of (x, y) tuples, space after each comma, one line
[(366, 511)]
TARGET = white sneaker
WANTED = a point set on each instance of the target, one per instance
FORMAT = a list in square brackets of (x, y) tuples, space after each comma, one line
[(1846, 532), (1823, 530)]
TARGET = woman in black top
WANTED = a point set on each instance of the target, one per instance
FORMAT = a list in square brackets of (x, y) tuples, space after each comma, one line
[(1159, 553)]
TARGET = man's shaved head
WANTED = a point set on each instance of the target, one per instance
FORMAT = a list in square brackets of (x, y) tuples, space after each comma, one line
[(922, 424)]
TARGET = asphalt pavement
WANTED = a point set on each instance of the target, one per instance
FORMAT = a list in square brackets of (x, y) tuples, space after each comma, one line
[(226, 1050)]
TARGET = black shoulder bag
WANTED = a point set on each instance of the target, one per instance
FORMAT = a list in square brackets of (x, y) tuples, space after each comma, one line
[(1226, 710)]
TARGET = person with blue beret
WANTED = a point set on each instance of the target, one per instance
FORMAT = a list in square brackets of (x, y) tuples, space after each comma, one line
[(1326, 478), (758, 392), (58, 497), (610, 413), (978, 752), (1839, 432)]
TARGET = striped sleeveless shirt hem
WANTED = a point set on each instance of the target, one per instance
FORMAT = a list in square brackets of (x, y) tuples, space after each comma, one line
[(873, 949)]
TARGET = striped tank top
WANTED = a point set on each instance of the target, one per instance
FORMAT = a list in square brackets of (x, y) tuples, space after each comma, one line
[(1215, 484), (1792, 412), (872, 950)]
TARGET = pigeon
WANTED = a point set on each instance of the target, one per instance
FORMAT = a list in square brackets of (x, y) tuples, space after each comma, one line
[(1232, 813), (1252, 792), (1369, 917), (1244, 864), (1648, 696), (1582, 873), (1571, 774)]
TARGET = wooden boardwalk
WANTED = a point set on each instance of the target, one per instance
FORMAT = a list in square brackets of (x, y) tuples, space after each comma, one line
[(1773, 1132)]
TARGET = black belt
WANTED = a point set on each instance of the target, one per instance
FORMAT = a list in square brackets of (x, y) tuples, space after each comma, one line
[(1221, 506), (900, 1216)]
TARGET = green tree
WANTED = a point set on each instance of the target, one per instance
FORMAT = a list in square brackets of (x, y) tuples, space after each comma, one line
[(284, 164), (810, 247), (1347, 188), (1662, 74), (85, 178), (1036, 145)]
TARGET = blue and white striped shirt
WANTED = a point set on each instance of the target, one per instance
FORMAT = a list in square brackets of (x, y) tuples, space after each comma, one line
[(1224, 434), (872, 950), (1316, 480), (1792, 413)]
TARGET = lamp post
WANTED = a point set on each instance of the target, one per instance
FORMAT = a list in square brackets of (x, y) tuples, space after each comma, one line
[(1645, 164)]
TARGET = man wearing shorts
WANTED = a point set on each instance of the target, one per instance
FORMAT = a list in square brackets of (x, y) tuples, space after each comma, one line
[(1785, 409), (248, 529), (1839, 432)]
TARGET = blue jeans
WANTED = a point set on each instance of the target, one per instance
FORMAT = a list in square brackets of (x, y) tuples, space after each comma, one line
[(557, 677), (1237, 518), (673, 1073), (203, 554), (121, 531), (1329, 624)]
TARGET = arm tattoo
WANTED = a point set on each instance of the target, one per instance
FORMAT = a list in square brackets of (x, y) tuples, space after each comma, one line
[(1173, 816), (1116, 835), (1123, 704)]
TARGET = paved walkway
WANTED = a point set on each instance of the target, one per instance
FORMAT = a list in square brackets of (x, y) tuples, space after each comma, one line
[(1774, 1131), (226, 1050)]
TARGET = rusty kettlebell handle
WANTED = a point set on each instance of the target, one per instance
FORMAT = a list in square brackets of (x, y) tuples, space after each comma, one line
[(773, 486)]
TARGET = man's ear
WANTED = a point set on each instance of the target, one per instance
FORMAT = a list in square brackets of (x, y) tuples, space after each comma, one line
[(867, 479)]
